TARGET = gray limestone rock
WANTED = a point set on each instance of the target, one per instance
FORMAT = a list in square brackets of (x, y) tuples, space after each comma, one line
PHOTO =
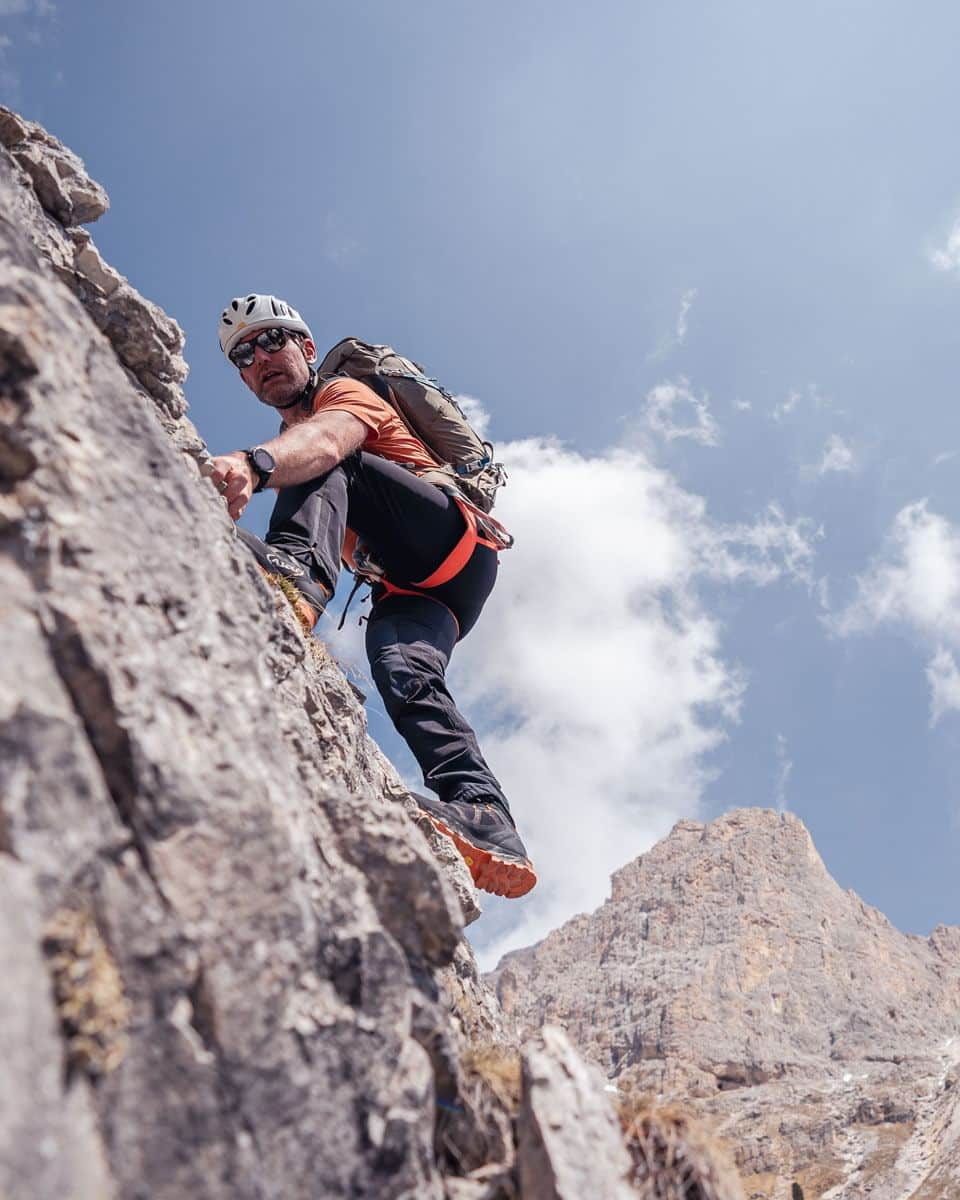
[(99, 276), (569, 1143), (148, 343), (48, 1141), (13, 128), (59, 177), (730, 971), (237, 959)]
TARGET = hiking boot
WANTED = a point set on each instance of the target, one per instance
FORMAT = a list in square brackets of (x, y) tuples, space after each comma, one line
[(484, 833), (273, 561)]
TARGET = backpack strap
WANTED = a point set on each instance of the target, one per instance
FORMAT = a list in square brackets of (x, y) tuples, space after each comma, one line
[(377, 383)]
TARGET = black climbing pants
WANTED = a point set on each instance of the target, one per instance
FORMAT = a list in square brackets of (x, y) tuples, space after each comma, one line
[(409, 527)]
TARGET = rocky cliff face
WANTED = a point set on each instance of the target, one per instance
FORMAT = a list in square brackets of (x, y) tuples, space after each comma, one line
[(231, 955), (232, 950), (729, 969)]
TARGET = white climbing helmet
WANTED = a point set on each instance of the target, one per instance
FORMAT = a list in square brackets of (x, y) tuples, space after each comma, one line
[(244, 315)]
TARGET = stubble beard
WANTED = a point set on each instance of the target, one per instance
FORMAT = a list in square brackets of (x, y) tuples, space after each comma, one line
[(280, 391)]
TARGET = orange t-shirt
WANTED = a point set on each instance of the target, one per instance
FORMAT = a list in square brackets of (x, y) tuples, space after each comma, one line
[(386, 433)]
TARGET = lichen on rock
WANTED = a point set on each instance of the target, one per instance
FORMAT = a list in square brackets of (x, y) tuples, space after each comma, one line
[(94, 1014)]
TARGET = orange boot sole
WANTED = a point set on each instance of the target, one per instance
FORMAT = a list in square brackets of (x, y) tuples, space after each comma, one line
[(500, 876)]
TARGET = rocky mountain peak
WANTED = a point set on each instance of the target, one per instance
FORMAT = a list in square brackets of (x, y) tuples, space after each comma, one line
[(746, 849), (728, 964), (746, 935)]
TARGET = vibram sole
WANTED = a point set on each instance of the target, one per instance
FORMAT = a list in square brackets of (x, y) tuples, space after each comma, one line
[(491, 873)]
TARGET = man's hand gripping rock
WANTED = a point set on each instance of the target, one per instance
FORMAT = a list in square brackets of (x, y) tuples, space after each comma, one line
[(232, 476)]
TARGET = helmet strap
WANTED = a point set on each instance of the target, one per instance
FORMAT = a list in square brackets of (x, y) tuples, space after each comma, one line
[(305, 397)]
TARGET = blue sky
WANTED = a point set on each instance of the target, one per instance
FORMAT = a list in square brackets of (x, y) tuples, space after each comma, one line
[(694, 262)]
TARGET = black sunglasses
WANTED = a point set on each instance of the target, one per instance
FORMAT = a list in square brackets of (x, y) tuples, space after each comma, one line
[(271, 340)]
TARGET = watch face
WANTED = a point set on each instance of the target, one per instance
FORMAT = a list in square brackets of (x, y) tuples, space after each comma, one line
[(263, 460)]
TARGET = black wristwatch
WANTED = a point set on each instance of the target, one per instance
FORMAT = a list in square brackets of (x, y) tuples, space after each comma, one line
[(263, 465)]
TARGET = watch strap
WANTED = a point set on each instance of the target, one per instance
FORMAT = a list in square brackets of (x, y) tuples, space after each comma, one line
[(261, 476)]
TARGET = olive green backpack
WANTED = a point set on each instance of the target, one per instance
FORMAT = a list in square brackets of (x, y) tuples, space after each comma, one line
[(430, 413)]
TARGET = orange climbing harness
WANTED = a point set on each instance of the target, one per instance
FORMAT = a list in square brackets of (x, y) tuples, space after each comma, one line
[(481, 530)]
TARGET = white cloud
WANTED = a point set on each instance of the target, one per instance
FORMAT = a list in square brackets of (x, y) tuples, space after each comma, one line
[(596, 676), (346, 643), (788, 405), (742, 405), (678, 335), (915, 584), (337, 242), (18, 8), (784, 771), (837, 456), (944, 680), (947, 258), (809, 395), (9, 76), (942, 457), (672, 411), (475, 413), (10, 81), (764, 551), (686, 303)]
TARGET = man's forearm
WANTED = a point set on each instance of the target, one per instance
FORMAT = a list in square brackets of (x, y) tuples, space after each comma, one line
[(301, 452), (305, 451), (314, 447)]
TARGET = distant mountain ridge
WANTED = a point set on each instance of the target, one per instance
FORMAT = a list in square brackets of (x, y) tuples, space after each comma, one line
[(729, 969)]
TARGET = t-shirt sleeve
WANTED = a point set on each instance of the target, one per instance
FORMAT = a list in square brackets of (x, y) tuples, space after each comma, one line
[(349, 395)]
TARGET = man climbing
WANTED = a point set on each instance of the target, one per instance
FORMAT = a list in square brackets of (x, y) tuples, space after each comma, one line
[(342, 495)]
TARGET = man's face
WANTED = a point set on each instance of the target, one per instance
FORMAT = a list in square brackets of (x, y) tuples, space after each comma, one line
[(278, 378)]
